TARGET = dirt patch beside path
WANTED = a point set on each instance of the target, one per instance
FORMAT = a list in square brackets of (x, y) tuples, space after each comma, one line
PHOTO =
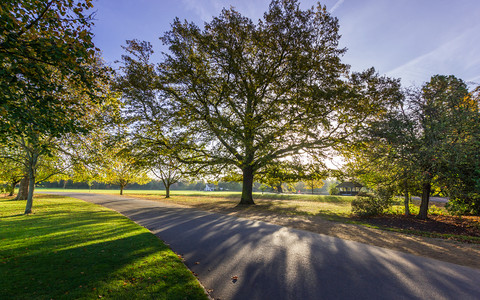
[(445, 250)]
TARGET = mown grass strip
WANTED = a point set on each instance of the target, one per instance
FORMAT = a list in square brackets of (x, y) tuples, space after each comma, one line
[(70, 249)]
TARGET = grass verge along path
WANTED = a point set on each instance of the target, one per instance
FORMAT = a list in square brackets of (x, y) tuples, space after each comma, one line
[(71, 249)]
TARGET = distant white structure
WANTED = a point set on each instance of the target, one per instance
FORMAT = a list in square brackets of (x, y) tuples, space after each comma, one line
[(210, 187)]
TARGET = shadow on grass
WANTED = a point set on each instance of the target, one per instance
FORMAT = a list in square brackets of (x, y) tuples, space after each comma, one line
[(62, 254), (268, 207)]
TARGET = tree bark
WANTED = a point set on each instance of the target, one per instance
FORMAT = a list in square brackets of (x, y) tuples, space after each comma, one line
[(426, 188), (407, 199), (167, 191), (121, 189), (31, 186), (247, 188), (23, 189), (279, 188), (12, 188)]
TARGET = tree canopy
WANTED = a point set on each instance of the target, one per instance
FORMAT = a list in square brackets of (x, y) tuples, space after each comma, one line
[(50, 80), (246, 95), (45, 48), (426, 141)]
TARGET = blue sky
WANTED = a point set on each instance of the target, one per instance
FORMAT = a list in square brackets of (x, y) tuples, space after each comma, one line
[(408, 39)]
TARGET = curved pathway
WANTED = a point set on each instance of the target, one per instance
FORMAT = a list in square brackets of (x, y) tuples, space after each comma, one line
[(236, 258)]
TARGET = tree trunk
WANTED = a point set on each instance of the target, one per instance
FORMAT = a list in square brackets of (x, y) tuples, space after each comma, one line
[(247, 188), (279, 188), (407, 199), (426, 188), (12, 188), (121, 189), (23, 189), (31, 187), (167, 191)]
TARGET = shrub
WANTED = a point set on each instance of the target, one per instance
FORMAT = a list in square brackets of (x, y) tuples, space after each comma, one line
[(368, 205), (333, 190), (462, 206)]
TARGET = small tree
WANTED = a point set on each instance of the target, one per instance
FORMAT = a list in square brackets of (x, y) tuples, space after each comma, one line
[(118, 166), (314, 184), (169, 171)]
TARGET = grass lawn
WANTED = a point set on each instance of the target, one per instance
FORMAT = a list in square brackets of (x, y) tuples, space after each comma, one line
[(71, 249), (271, 207), (337, 208), (331, 207)]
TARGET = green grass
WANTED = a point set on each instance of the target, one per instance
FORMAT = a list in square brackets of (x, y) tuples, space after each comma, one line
[(335, 208), (217, 194), (71, 249), (147, 192)]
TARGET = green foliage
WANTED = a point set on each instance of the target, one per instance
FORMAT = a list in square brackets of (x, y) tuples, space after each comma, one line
[(45, 49), (333, 190), (245, 96), (367, 205), (414, 209), (118, 166), (51, 81), (429, 141), (465, 206), (71, 249)]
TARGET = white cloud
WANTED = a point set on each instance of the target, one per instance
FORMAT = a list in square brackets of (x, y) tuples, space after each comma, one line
[(205, 10), (458, 57), (337, 5)]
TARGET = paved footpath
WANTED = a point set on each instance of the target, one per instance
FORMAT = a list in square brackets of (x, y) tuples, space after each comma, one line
[(275, 262)]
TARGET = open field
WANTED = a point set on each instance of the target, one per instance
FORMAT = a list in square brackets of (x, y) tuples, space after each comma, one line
[(71, 249), (333, 207), (286, 204), (272, 206)]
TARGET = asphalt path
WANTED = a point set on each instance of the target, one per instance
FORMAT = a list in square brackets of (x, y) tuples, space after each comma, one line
[(237, 258)]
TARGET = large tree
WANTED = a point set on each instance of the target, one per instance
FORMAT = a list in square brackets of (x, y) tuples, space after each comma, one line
[(427, 141), (49, 77), (43, 44), (448, 117), (384, 152), (248, 95)]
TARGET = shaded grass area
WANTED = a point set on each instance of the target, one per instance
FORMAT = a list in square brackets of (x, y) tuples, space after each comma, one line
[(70, 249)]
